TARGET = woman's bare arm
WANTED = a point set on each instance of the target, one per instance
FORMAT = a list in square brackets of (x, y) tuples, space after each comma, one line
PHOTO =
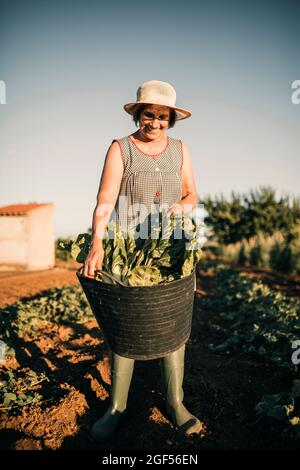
[(189, 192), (108, 192)]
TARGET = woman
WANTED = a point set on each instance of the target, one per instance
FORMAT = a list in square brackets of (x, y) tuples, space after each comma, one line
[(150, 169)]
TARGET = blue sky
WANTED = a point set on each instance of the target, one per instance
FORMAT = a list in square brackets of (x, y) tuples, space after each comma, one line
[(70, 66)]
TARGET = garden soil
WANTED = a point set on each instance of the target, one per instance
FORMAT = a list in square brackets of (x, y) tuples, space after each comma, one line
[(221, 390)]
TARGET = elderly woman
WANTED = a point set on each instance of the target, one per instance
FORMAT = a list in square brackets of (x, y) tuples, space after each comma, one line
[(148, 168)]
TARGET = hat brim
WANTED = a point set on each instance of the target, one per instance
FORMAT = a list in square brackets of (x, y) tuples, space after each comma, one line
[(179, 115)]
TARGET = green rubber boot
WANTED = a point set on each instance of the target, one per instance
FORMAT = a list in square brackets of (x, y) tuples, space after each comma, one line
[(121, 375), (172, 370)]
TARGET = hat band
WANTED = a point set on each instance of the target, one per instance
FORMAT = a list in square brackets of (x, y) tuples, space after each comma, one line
[(162, 102)]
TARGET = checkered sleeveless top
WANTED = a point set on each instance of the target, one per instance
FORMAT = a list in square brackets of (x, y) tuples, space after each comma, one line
[(151, 180)]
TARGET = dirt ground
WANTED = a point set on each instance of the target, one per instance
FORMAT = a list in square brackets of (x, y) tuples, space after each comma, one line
[(15, 285), (221, 390)]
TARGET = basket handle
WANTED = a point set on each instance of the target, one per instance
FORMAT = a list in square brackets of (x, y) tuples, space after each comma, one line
[(80, 270)]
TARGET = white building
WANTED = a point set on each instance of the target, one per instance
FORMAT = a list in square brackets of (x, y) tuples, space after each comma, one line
[(27, 236)]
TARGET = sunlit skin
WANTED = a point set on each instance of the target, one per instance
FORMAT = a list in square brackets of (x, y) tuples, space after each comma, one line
[(151, 137), (153, 126)]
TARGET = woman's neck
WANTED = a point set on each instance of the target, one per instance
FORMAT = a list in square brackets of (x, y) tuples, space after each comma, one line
[(137, 135)]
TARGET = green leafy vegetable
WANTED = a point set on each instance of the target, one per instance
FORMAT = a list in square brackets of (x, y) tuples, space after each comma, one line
[(171, 251)]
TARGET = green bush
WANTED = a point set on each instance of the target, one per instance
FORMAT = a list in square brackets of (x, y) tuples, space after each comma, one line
[(274, 256), (60, 252), (242, 256), (258, 255)]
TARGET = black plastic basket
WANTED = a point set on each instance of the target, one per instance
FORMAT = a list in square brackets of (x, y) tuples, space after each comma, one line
[(143, 322)]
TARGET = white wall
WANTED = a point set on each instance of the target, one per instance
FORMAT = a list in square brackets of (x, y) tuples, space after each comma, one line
[(13, 241), (40, 229), (27, 241)]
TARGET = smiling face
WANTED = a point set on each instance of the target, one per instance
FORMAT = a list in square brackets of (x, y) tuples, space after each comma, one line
[(154, 122)]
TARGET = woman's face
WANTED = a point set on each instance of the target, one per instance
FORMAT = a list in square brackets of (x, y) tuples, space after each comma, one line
[(154, 121)]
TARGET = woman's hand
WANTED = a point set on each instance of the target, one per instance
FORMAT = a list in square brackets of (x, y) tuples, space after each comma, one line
[(93, 261), (176, 209)]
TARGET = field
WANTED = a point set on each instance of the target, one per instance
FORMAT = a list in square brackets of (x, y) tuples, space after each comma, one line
[(56, 378)]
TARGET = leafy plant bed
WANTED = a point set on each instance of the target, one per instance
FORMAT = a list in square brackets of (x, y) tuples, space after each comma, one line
[(257, 320)]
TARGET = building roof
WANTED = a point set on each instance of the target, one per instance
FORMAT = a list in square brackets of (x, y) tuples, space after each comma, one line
[(21, 209)]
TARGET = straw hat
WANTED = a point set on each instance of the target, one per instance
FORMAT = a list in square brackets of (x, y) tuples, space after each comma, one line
[(157, 92)]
